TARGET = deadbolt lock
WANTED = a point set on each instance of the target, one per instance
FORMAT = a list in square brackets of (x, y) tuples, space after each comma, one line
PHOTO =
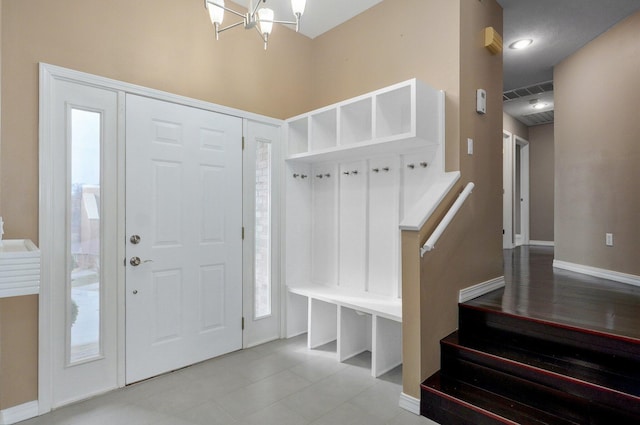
[(134, 239)]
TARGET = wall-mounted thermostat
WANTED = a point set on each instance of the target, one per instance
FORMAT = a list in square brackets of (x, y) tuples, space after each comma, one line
[(481, 101)]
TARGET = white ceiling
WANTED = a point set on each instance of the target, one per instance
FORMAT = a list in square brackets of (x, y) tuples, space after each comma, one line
[(558, 27), (320, 15)]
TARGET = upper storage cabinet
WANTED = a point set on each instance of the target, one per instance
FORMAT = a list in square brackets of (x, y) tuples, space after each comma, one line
[(399, 117)]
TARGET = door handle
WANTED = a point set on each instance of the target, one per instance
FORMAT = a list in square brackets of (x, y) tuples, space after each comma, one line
[(136, 261)]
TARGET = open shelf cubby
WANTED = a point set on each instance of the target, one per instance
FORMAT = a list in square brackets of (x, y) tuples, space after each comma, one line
[(298, 137), (380, 122), (356, 122), (394, 112), (324, 130)]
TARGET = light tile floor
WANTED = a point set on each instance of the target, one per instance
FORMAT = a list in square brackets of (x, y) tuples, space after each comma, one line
[(281, 382)]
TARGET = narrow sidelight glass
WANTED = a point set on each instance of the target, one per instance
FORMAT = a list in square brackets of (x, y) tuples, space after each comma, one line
[(84, 302)]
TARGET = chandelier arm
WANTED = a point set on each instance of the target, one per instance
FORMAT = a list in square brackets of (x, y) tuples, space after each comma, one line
[(255, 9), (282, 22), (231, 26), (264, 37)]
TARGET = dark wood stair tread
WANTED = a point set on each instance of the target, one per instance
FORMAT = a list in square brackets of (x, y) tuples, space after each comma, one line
[(475, 320)]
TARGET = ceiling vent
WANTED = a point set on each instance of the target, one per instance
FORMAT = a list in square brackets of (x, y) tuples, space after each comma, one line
[(527, 91), (538, 118)]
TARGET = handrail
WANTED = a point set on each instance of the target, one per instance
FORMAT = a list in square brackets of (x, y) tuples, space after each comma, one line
[(430, 244)]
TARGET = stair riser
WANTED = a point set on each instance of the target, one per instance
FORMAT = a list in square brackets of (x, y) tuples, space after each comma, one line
[(603, 369), (475, 323), (452, 354), (546, 399), (448, 398), (445, 411)]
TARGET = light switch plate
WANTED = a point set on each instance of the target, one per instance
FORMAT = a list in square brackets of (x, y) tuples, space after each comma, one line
[(470, 146)]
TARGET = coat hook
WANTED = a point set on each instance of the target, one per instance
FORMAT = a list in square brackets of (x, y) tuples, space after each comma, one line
[(304, 176), (319, 176), (385, 169), (376, 170), (411, 166), (423, 164), (354, 172), (327, 175), (346, 173), (295, 175)]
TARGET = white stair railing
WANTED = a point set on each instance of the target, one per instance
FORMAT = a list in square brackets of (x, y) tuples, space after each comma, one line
[(430, 244)]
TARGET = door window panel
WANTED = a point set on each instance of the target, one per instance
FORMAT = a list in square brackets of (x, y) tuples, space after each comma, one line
[(262, 255), (84, 318)]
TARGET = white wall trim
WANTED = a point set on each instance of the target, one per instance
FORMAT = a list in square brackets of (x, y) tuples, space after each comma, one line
[(475, 291), (542, 243), (410, 404), (19, 413), (629, 279)]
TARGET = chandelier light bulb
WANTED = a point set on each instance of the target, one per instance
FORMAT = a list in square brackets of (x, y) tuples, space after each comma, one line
[(298, 7), (216, 13), (265, 17)]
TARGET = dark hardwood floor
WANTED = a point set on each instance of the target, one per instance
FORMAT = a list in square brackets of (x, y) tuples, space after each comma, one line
[(536, 290), (552, 347)]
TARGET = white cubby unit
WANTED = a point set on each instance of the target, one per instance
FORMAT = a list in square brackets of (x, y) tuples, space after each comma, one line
[(353, 171)]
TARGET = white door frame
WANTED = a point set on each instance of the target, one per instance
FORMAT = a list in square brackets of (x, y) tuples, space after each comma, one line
[(48, 74), (521, 168), (507, 192), (509, 170)]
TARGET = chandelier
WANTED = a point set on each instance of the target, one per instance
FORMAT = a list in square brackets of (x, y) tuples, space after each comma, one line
[(260, 18)]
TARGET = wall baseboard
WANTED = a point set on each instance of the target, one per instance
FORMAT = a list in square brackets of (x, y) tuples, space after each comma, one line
[(542, 243), (19, 413), (629, 279), (410, 404), (475, 291)]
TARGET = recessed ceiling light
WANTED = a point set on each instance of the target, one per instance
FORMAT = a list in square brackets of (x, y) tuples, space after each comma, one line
[(521, 44), (536, 104)]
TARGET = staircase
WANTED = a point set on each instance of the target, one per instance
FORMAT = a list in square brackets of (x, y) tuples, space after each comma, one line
[(500, 368)]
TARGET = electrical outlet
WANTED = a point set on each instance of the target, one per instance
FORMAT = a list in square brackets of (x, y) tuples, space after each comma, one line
[(609, 239)]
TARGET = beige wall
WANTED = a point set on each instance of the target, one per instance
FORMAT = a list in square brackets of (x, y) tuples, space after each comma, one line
[(401, 39), (514, 126), (162, 44), (541, 182), (392, 42), (470, 252), (165, 45), (18, 350), (597, 151)]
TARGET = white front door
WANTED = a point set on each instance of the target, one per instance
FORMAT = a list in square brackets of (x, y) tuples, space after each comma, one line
[(184, 236), (78, 242)]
